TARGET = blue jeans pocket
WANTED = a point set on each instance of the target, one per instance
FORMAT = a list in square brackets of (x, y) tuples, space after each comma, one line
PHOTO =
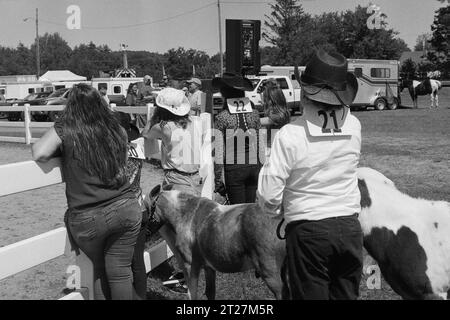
[(82, 227), (130, 215)]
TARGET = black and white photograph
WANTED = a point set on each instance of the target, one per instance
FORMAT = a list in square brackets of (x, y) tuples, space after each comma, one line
[(241, 151)]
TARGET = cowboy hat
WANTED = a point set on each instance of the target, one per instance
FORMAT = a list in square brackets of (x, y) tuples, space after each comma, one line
[(173, 100), (232, 80), (327, 80)]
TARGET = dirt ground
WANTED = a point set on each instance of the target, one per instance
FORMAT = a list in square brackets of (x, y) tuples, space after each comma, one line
[(411, 147)]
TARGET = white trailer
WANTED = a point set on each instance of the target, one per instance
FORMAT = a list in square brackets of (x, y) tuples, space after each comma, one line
[(116, 88), (19, 90), (377, 83)]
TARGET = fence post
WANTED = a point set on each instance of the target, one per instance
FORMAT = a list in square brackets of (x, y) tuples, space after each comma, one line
[(151, 147), (150, 109), (206, 163), (86, 273), (27, 121)]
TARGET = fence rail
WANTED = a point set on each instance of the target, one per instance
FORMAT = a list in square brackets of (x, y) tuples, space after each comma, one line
[(28, 123), (24, 176)]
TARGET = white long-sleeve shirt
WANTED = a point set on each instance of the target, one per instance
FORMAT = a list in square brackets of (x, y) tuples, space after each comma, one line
[(311, 177)]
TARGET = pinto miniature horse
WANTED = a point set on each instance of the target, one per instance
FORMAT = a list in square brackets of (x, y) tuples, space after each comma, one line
[(408, 237), (417, 88)]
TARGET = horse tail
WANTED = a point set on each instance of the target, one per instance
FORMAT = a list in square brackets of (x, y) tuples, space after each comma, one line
[(439, 84)]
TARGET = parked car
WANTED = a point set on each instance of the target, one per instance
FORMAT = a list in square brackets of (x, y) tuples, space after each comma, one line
[(58, 97), (33, 99)]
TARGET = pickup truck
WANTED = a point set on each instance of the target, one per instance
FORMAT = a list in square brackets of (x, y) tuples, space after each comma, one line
[(291, 90)]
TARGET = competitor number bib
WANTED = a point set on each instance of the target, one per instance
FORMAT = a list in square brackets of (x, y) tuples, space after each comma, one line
[(239, 105)]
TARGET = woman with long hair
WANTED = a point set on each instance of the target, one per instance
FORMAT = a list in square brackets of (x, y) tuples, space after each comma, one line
[(103, 217), (276, 113), (135, 162)]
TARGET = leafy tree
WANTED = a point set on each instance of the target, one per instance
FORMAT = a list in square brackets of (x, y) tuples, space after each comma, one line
[(88, 59), (283, 27), (440, 40), (178, 63), (54, 52), (362, 42), (421, 39), (408, 69), (269, 55)]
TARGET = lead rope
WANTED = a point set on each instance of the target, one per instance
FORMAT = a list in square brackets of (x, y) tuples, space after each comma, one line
[(279, 230)]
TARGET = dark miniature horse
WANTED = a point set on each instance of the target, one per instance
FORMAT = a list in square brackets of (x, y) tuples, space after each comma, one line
[(417, 88)]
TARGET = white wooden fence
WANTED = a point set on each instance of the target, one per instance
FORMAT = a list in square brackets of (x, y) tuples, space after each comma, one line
[(29, 175)]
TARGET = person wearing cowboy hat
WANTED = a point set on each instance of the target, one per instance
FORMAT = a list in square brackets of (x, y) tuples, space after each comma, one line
[(239, 131), (172, 125), (310, 178)]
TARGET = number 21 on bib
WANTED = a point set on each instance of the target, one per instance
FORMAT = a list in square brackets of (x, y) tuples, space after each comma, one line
[(327, 122)]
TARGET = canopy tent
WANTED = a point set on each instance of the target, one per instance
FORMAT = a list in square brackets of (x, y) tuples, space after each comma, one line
[(61, 75)]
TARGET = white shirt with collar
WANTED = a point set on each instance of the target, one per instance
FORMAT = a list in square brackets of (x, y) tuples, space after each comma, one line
[(312, 177)]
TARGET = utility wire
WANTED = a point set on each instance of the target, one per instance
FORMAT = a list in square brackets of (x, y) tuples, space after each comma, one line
[(137, 24)]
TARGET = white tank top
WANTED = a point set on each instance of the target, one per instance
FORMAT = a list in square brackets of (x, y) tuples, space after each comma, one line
[(183, 152)]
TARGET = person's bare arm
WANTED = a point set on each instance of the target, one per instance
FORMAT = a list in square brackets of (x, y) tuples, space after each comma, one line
[(266, 121), (46, 147)]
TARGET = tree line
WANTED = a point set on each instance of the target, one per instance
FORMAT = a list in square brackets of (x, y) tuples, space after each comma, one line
[(292, 35)]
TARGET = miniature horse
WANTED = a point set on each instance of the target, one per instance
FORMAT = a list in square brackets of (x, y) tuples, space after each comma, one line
[(428, 86)]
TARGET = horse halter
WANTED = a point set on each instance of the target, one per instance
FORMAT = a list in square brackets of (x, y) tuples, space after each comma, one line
[(153, 207)]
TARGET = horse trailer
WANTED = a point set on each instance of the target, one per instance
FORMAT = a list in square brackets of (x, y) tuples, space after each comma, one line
[(378, 83), (19, 90)]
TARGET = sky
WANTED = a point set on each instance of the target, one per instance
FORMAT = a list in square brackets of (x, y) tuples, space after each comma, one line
[(158, 25)]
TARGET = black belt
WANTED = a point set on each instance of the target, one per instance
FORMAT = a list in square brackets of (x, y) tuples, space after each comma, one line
[(182, 172)]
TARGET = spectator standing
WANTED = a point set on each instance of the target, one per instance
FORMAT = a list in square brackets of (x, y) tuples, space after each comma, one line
[(145, 90), (165, 82), (103, 217), (132, 95), (240, 137), (133, 100), (195, 96), (102, 88), (311, 177), (186, 91), (276, 113)]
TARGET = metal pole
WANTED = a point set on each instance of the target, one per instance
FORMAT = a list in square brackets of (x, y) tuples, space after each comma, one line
[(220, 38), (38, 65)]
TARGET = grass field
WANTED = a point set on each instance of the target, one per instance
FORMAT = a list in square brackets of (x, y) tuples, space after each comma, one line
[(411, 147)]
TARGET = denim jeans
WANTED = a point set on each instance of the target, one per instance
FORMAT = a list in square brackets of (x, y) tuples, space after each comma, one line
[(107, 236), (241, 182), (138, 265), (324, 259), (183, 183)]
